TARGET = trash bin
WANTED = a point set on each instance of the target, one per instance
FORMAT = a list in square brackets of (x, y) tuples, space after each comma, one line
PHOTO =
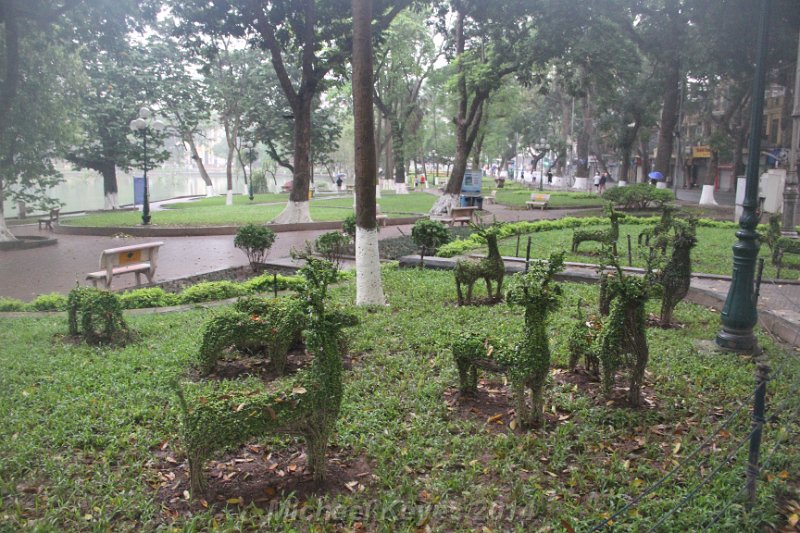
[(479, 202), (463, 201)]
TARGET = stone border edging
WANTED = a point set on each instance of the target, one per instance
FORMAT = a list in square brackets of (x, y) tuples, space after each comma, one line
[(200, 231), (27, 242)]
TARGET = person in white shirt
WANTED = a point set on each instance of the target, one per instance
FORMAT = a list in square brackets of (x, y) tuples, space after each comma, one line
[(597, 182)]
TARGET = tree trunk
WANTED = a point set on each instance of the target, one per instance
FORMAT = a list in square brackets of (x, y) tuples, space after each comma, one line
[(713, 168), (8, 92), (297, 208), (189, 138), (230, 137), (110, 189), (369, 290), (669, 116), (582, 170), (399, 159)]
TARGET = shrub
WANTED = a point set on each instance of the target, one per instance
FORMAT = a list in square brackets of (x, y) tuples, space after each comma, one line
[(212, 290), (638, 196), (349, 225), (332, 246), (256, 241), (150, 297), (12, 304), (429, 235), (96, 316), (49, 302), (265, 283)]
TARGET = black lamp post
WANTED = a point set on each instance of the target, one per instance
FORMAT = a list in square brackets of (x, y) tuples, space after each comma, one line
[(739, 315), (143, 124)]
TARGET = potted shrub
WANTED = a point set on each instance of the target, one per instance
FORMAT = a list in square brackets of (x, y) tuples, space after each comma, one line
[(255, 241)]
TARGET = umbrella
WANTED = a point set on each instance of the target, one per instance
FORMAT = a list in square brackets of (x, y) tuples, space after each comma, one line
[(656, 175)]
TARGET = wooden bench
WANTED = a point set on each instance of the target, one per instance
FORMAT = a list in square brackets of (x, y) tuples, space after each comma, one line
[(135, 259), (538, 200), (53, 217), (492, 197), (464, 215)]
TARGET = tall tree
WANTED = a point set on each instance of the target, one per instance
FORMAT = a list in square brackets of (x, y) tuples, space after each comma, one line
[(313, 36), (369, 290)]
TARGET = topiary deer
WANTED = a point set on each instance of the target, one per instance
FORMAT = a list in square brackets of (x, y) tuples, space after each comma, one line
[(623, 333), (491, 268), (579, 343), (780, 244), (662, 227), (269, 327), (606, 236), (676, 275), (219, 416), (528, 364)]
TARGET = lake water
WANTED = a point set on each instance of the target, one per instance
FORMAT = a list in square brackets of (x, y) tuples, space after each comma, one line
[(84, 190)]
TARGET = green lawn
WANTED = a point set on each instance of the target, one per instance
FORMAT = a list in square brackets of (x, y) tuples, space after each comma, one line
[(712, 255), (89, 434), (214, 212)]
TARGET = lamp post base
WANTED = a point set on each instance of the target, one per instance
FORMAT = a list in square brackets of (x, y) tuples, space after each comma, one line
[(742, 341)]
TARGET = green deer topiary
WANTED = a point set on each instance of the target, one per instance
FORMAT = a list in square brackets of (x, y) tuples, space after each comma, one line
[(779, 244), (579, 343), (676, 275), (606, 236), (269, 327), (222, 415), (622, 341), (528, 364), (663, 226), (491, 268)]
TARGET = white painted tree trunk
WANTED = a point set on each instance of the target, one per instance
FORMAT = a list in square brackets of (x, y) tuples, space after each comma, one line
[(400, 188), (229, 197), (369, 290), (444, 204), (294, 213), (707, 196), (111, 201), (5, 234), (377, 191), (210, 191)]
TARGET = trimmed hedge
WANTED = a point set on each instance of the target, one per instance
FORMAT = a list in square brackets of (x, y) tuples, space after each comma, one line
[(638, 196)]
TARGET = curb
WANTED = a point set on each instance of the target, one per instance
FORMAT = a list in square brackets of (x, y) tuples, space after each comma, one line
[(154, 231)]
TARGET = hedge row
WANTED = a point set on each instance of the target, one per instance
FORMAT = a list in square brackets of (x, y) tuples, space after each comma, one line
[(461, 246), (156, 297)]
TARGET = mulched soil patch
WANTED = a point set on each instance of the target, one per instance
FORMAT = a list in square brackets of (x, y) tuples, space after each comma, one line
[(494, 402), (255, 474)]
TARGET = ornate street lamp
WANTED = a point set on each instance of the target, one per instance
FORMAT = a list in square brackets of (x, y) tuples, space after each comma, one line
[(542, 146), (739, 315), (145, 123)]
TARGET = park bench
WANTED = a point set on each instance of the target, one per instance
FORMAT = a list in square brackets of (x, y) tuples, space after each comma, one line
[(135, 259), (463, 215), (492, 197), (380, 218), (52, 217), (538, 200)]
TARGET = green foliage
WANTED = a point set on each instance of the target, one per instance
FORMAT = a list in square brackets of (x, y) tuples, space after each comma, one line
[(605, 236), (256, 241), (12, 304), (349, 225), (212, 290), (491, 268), (96, 316), (579, 343), (261, 326), (778, 243), (528, 364), (227, 414), (148, 297), (638, 196), (332, 246), (676, 275), (49, 302), (429, 235)]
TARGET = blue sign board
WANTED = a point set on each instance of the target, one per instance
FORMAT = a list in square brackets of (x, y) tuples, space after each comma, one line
[(138, 191), (472, 182)]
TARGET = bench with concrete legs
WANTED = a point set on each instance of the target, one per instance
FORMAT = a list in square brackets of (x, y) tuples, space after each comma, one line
[(136, 259)]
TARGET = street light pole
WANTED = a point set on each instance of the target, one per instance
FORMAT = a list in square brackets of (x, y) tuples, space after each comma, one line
[(739, 315), (143, 124)]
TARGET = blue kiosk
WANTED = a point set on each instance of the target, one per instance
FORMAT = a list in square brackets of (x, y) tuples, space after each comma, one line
[(471, 189)]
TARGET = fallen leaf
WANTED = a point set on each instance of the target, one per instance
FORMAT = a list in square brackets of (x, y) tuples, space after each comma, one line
[(783, 474), (494, 418), (186, 495), (204, 503), (567, 525), (234, 501), (299, 390), (793, 519), (676, 448), (240, 407), (270, 491)]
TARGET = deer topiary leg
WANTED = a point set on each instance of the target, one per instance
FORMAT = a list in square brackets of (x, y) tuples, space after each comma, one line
[(317, 443), (197, 481)]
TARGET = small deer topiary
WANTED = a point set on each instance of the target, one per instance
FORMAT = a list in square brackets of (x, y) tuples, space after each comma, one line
[(663, 226), (579, 343), (96, 315), (491, 268), (269, 327), (528, 364), (606, 236), (780, 244), (226, 414), (676, 274)]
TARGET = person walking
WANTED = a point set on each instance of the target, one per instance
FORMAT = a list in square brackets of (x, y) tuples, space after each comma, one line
[(596, 182), (603, 180)]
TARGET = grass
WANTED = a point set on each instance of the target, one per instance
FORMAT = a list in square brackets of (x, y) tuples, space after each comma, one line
[(214, 212), (515, 195), (80, 425), (712, 255)]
